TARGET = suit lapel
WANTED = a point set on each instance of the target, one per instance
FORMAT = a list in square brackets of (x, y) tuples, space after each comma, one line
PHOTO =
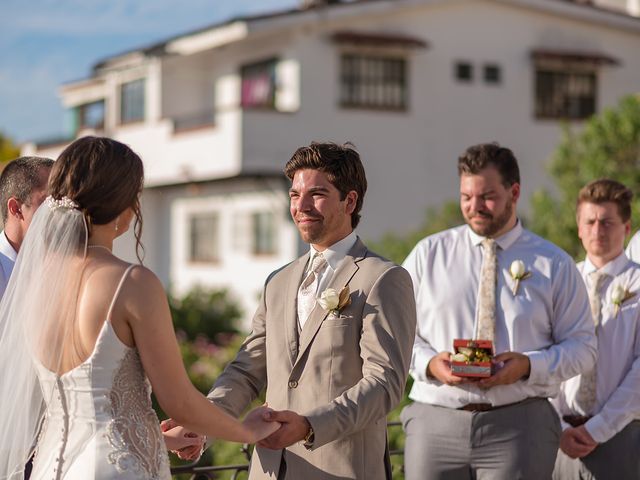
[(291, 301), (343, 275)]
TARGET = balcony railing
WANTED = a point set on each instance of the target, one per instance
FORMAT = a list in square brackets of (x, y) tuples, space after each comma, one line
[(201, 472)]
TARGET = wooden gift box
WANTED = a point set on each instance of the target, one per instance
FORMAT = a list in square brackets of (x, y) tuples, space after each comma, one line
[(478, 355)]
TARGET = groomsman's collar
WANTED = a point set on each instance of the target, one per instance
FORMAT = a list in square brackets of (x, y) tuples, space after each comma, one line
[(6, 249), (336, 252), (613, 268), (504, 241)]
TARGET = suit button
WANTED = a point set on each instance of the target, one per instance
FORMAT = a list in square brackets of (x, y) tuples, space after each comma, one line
[(293, 384)]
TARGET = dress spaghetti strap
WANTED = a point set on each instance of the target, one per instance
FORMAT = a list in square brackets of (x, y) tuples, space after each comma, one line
[(117, 292)]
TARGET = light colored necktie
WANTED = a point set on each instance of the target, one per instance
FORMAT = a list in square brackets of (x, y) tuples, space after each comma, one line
[(487, 291), (308, 288), (586, 394)]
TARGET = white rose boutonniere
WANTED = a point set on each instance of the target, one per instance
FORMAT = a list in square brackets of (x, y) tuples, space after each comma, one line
[(332, 301), (619, 295), (518, 273)]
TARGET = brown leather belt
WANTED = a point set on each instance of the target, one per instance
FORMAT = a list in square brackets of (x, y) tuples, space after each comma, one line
[(576, 420), (478, 407)]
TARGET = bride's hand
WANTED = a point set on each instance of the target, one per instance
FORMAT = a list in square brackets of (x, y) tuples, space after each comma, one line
[(178, 438), (256, 425)]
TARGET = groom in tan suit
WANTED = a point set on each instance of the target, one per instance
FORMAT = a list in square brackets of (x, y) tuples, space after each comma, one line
[(341, 364)]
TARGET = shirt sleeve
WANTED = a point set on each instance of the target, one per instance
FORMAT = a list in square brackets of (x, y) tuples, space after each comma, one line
[(633, 249), (423, 352), (623, 405), (574, 349)]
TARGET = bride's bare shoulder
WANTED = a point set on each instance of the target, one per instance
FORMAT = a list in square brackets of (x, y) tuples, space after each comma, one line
[(144, 282)]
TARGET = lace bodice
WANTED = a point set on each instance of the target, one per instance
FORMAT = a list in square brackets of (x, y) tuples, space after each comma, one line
[(133, 430)]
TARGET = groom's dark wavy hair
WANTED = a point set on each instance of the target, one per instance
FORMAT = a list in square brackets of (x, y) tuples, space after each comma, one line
[(341, 164), (104, 177)]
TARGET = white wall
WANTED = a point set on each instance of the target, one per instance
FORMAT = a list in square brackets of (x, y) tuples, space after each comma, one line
[(411, 157), (239, 269)]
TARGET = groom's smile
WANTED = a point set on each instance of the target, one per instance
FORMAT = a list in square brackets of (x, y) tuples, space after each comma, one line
[(317, 209)]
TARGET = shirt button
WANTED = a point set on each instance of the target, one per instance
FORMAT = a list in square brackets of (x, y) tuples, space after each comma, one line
[(293, 384)]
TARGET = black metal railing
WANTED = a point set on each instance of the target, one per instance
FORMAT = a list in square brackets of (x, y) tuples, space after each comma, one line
[(202, 472)]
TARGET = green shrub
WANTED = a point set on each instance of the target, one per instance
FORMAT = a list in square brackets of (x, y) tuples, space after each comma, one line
[(205, 313)]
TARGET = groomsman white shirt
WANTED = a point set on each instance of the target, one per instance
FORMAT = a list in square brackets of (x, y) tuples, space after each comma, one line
[(7, 260), (618, 366), (633, 248), (548, 319)]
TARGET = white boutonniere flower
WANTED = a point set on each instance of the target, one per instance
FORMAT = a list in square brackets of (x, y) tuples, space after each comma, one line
[(619, 295), (518, 273), (334, 301)]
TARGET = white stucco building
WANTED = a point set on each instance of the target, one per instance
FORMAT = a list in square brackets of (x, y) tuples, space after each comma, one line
[(216, 113)]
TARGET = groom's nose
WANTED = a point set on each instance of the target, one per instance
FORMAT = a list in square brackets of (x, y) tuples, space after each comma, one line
[(305, 203)]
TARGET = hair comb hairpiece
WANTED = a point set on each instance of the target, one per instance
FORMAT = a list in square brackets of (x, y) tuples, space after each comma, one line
[(64, 202)]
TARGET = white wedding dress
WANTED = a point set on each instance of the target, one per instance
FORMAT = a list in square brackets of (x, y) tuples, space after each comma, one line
[(99, 423)]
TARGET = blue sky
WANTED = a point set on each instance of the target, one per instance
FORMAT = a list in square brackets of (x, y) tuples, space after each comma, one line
[(44, 43)]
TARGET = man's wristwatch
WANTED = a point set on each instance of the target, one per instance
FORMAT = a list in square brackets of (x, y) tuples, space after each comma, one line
[(309, 438)]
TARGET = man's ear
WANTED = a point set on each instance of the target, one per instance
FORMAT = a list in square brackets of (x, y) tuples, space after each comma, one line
[(14, 208), (515, 192), (351, 198)]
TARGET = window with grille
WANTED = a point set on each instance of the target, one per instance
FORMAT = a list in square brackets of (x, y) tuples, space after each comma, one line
[(492, 74), (565, 94), (376, 82), (203, 238), (90, 115), (264, 233), (132, 101), (463, 71), (258, 86)]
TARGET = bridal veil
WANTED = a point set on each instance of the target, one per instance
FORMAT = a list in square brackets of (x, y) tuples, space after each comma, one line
[(37, 326)]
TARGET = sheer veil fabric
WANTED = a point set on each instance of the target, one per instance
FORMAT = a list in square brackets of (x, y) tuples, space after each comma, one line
[(38, 326)]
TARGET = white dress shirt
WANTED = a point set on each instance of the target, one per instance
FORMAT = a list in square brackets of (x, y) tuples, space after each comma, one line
[(7, 260), (618, 367), (549, 319), (333, 255), (633, 248)]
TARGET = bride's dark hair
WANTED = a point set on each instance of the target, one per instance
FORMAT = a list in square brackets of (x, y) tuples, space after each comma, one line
[(104, 177)]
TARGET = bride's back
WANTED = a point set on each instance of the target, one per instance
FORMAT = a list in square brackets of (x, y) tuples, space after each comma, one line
[(96, 304)]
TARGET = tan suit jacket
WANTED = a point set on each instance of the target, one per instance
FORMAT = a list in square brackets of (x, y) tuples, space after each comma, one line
[(344, 373)]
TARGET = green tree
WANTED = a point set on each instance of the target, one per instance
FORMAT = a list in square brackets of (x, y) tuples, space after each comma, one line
[(608, 146), (8, 151)]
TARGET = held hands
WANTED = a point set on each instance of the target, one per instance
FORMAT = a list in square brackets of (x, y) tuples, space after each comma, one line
[(179, 440), (292, 429), (188, 445), (577, 442), (259, 424)]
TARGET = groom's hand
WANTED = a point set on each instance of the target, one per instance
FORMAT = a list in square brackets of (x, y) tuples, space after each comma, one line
[(293, 428)]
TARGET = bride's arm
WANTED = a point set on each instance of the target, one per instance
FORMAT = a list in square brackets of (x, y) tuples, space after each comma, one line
[(147, 313)]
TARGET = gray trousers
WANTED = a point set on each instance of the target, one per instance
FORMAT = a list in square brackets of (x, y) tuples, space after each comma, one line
[(519, 442), (618, 459)]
